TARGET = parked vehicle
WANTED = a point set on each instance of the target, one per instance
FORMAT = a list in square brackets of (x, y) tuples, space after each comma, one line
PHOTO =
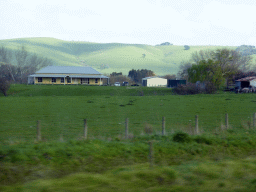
[(117, 84), (125, 83)]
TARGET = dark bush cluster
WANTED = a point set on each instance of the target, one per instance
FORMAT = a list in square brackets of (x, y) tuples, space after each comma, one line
[(181, 137), (192, 88), (188, 89), (210, 88), (203, 140)]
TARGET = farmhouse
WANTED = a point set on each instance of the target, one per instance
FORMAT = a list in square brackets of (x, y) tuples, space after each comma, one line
[(154, 82), (67, 75), (246, 82)]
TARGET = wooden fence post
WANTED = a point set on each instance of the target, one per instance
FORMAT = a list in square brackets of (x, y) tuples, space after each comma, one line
[(151, 154), (226, 121), (85, 128), (254, 120), (163, 126), (38, 128), (196, 125), (126, 128)]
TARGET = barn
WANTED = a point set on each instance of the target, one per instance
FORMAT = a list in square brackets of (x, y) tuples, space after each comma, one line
[(245, 82), (154, 82)]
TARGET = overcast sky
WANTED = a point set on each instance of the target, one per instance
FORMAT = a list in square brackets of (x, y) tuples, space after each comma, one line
[(181, 22)]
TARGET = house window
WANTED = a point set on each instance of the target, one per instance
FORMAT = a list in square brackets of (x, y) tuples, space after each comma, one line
[(96, 80), (53, 80), (40, 79), (68, 80), (62, 80), (85, 81)]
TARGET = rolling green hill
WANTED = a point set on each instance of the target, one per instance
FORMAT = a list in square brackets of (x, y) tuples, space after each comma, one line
[(109, 57)]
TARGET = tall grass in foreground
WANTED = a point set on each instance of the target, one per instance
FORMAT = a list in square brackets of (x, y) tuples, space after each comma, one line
[(205, 162), (233, 175)]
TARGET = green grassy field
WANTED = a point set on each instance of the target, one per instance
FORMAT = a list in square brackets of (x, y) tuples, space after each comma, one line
[(118, 57), (216, 160), (62, 109)]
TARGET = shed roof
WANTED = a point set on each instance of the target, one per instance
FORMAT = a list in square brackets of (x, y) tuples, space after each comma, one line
[(68, 70), (247, 78), (153, 77)]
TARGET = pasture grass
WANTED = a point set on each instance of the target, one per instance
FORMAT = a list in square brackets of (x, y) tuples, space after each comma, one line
[(62, 109), (218, 159)]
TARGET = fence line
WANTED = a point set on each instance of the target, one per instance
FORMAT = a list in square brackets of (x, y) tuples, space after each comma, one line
[(254, 120), (126, 128), (195, 132), (38, 130), (71, 130), (163, 126), (226, 121), (85, 128)]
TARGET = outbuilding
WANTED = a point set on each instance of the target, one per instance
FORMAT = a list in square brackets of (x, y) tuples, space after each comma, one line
[(154, 82), (245, 82), (174, 83)]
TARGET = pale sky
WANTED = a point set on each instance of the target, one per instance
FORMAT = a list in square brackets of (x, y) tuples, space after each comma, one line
[(181, 22)]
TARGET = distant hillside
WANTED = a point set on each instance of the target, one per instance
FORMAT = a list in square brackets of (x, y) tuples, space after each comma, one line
[(110, 57)]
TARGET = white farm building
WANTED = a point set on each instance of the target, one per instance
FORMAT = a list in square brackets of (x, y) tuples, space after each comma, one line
[(154, 82)]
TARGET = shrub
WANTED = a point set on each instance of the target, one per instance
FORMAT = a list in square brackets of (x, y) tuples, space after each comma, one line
[(181, 137), (210, 88), (157, 175), (148, 129), (192, 88), (186, 47), (188, 89), (203, 139)]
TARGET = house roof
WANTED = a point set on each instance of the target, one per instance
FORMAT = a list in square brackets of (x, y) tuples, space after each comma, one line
[(153, 77), (247, 78), (68, 70), (64, 76)]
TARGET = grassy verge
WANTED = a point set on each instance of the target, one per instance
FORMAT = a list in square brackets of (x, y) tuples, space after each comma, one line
[(220, 161), (207, 176)]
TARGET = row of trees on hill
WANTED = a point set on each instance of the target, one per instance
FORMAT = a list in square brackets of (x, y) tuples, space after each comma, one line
[(137, 75), (16, 65), (246, 50), (134, 76)]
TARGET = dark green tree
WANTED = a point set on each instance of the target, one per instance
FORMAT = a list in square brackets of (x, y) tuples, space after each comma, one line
[(226, 63), (186, 47), (137, 75), (206, 71), (113, 74), (5, 77)]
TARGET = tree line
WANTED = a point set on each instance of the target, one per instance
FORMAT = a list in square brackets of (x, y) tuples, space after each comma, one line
[(16, 65), (217, 68), (134, 76)]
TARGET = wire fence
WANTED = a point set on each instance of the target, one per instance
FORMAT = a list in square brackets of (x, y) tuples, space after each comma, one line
[(116, 128)]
